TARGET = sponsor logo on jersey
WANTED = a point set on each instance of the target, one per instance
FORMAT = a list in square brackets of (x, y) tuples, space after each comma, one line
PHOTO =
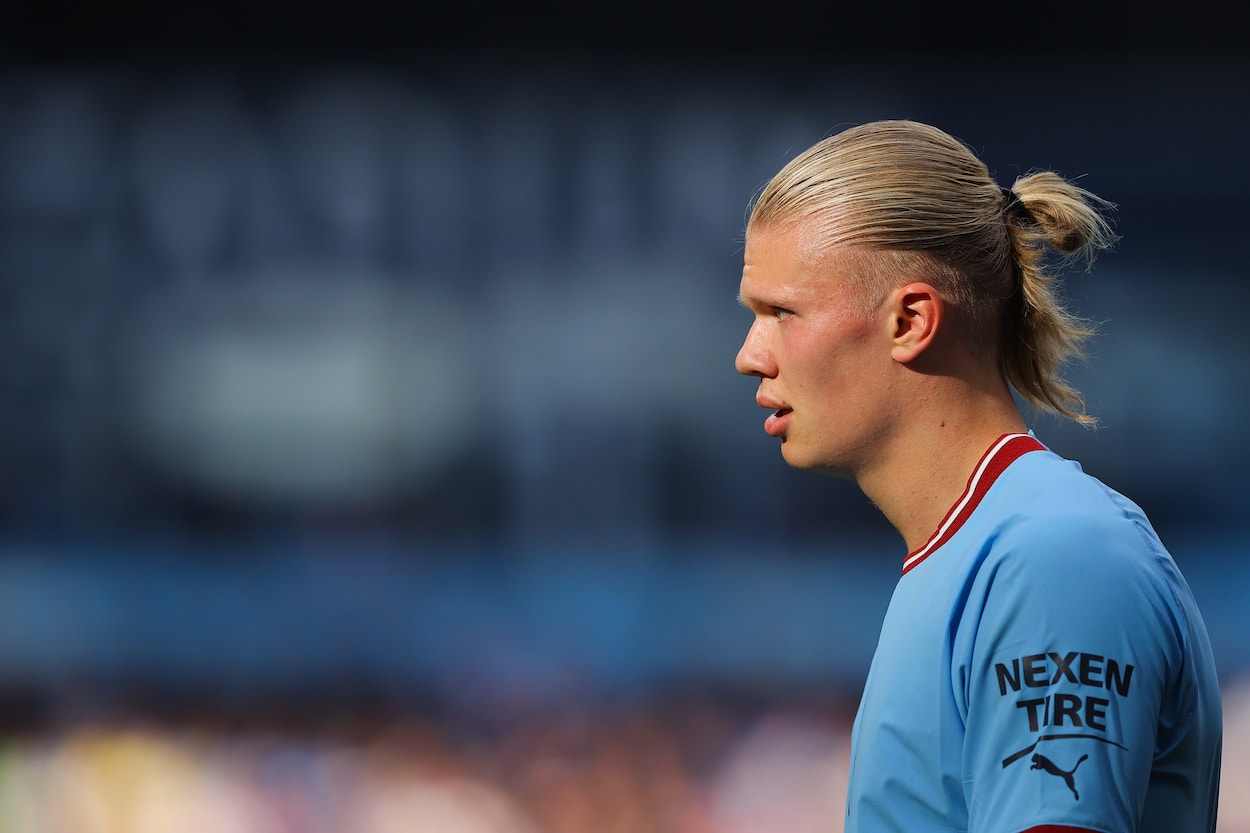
[(1063, 696), (1045, 764)]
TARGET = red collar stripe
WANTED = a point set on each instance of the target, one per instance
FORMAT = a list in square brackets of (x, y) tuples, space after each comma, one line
[(1006, 450)]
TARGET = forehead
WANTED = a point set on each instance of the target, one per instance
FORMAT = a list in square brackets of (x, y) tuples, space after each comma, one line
[(786, 263)]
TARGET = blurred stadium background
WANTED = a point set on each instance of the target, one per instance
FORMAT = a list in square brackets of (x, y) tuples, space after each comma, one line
[(372, 453)]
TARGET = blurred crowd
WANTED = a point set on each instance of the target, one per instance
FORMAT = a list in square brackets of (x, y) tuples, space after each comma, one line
[(705, 763), (687, 764)]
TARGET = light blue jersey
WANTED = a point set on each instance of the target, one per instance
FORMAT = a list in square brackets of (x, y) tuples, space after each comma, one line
[(1042, 667)]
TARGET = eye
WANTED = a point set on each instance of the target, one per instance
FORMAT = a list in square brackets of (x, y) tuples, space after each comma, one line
[(781, 313)]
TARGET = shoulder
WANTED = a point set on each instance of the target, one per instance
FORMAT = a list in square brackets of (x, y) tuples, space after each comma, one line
[(1056, 517), (1068, 550)]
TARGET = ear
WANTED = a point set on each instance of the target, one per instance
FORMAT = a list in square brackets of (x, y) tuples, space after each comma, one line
[(917, 310)]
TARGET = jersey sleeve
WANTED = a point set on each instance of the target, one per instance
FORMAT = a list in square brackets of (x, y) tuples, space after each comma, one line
[(1067, 651)]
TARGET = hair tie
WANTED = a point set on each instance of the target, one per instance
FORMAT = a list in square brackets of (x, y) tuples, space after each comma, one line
[(1009, 198), (1012, 205)]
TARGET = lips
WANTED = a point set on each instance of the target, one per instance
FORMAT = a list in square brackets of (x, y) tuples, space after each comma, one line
[(776, 423)]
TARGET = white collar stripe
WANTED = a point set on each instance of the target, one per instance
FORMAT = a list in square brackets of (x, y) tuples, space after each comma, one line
[(972, 492)]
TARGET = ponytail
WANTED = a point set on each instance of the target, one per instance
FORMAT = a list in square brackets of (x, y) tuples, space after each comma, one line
[(1047, 214)]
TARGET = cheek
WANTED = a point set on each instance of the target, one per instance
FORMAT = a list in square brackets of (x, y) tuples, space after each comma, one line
[(831, 360)]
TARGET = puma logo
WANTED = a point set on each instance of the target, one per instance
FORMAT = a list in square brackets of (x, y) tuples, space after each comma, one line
[(1042, 762)]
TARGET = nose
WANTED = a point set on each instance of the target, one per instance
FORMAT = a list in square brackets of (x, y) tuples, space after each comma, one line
[(754, 357)]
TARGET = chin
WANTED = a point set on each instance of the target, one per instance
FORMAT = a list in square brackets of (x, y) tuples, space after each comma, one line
[(797, 460), (795, 457)]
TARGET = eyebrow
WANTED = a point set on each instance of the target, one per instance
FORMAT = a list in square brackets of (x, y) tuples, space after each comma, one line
[(751, 302)]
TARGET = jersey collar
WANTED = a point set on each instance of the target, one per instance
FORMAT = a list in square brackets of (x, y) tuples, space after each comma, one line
[(1005, 450)]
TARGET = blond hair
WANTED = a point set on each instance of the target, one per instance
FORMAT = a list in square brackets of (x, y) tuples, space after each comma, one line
[(923, 198)]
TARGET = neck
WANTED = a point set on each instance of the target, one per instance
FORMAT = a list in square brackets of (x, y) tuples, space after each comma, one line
[(924, 472)]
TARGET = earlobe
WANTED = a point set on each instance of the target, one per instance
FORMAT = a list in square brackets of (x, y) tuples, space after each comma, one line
[(917, 312)]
